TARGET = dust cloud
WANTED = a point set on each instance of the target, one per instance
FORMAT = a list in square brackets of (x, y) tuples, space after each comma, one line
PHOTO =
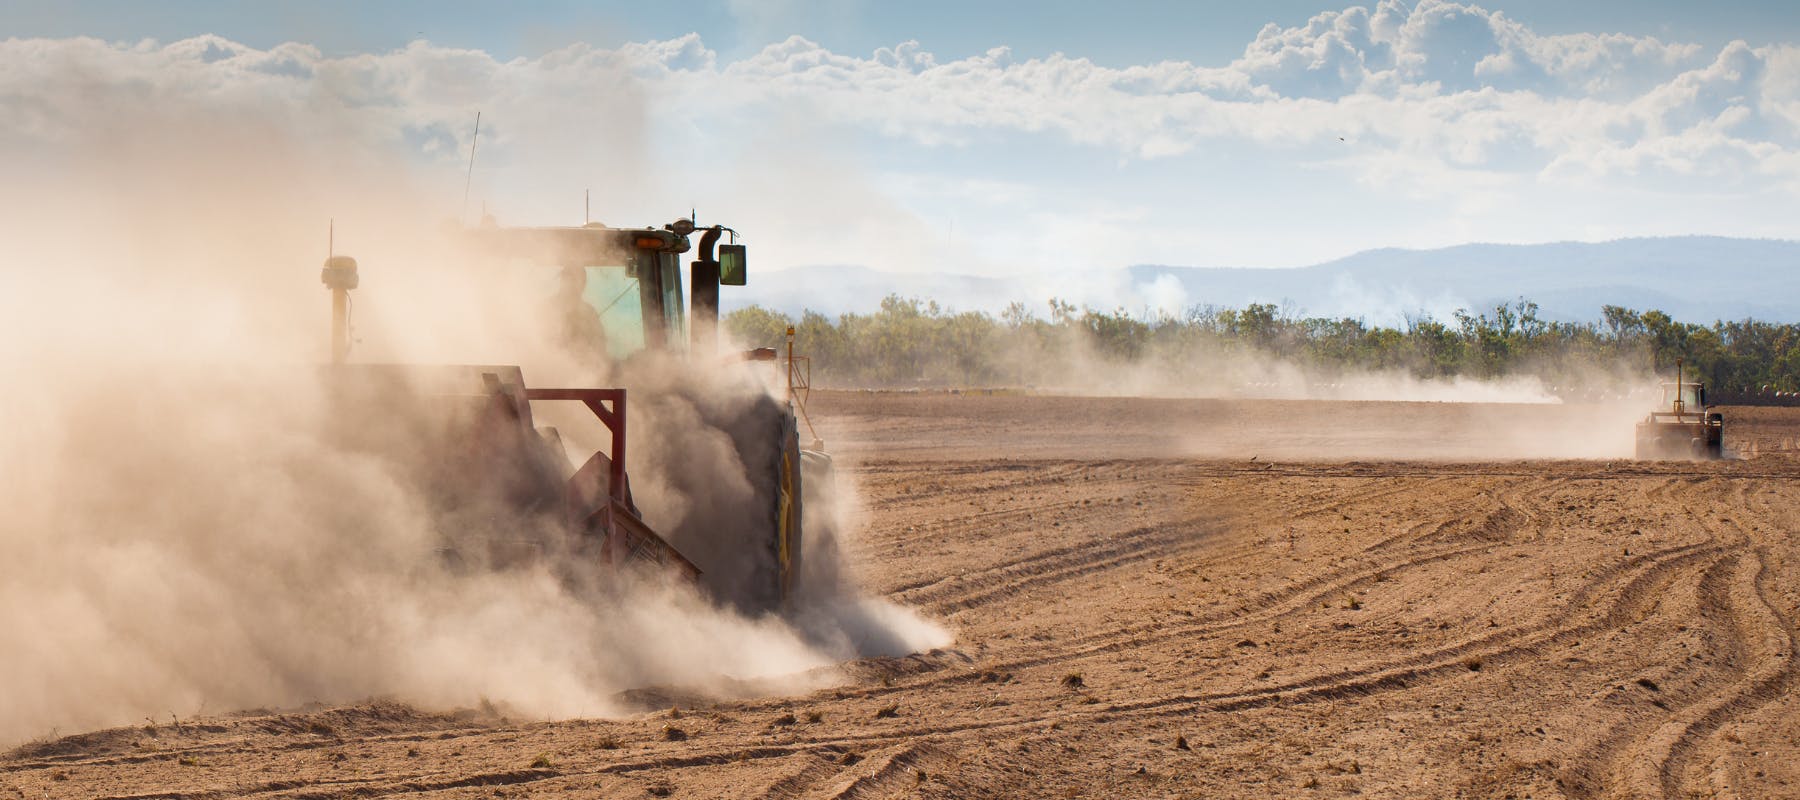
[(1287, 411), (1231, 402), (184, 531)]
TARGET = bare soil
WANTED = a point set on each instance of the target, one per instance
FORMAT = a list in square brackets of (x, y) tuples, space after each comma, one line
[(1205, 599)]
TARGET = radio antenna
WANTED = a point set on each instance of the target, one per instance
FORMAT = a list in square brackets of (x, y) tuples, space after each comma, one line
[(331, 237), (468, 178), (587, 205)]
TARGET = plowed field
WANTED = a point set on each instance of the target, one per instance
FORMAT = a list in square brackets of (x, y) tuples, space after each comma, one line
[(1206, 599)]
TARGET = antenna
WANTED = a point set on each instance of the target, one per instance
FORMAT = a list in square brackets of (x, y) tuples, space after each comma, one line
[(473, 140), (587, 205), (331, 237)]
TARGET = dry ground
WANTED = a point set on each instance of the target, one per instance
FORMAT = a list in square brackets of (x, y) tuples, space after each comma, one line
[(1143, 610)]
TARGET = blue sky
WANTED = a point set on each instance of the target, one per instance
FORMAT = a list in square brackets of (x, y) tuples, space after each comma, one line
[(898, 136), (1112, 33)]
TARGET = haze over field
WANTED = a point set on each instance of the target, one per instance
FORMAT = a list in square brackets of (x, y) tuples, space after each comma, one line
[(1695, 279)]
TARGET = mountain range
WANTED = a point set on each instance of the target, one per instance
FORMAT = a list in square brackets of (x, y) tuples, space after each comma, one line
[(1692, 278)]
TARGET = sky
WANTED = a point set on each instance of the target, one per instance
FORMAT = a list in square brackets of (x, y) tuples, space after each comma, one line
[(1039, 140)]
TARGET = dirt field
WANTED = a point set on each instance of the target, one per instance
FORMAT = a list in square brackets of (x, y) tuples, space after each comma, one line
[(1204, 599)]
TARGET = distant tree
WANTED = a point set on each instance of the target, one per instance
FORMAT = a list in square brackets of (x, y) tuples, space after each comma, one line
[(908, 341)]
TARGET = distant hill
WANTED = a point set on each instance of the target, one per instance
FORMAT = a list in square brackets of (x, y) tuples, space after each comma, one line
[(1693, 278)]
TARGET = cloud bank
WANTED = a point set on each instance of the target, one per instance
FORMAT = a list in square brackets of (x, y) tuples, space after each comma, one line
[(1445, 81), (1375, 125)]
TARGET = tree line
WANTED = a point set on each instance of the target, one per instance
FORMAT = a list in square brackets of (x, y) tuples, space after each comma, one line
[(913, 342)]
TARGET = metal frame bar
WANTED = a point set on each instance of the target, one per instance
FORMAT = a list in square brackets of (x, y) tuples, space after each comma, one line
[(612, 417)]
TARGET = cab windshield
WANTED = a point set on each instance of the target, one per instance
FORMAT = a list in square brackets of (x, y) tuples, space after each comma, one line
[(1689, 393), (614, 298), (616, 310)]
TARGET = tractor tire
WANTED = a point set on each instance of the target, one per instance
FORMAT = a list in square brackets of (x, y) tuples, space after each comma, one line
[(773, 532), (790, 511)]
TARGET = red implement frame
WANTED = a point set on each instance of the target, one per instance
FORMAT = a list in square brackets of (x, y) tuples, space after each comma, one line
[(614, 517), (613, 418)]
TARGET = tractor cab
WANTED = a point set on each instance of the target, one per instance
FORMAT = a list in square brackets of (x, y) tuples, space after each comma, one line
[(1682, 398), (619, 290)]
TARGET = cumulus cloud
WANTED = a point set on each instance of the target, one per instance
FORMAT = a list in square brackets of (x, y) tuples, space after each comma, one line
[(1428, 100), (1451, 80)]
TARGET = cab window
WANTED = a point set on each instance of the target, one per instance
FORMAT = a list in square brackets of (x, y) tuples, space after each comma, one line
[(612, 295), (1689, 393), (674, 320)]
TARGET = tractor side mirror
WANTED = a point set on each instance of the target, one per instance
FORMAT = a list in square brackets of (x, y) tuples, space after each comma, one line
[(732, 266)]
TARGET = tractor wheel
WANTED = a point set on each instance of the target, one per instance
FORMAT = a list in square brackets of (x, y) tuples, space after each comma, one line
[(771, 547), (744, 536), (776, 532), (790, 494)]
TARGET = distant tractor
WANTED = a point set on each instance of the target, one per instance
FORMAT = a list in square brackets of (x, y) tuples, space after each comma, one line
[(1681, 425)]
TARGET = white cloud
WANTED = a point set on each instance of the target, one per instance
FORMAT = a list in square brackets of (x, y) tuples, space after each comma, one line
[(1447, 78), (1442, 100)]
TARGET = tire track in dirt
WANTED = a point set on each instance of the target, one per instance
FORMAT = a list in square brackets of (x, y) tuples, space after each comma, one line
[(877, 774), (1719, 779), (417, 784), (229, 747), (925, 589), (1601, 766), (1292, 599), (1785, 682), (1281, 604), (1641, 576), (1771, 669), (1502, 647), (1063, 564), (1375, 489), (816, 771), (1268, 606), (1656, 568), (1639, 580), (1731, 596), (1763, 640), (1161, 540), (1040, 475)]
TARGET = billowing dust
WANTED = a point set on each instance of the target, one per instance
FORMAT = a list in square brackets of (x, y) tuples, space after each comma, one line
[(1241, 402), (1073, 360), (1029, 426), (180, 534)]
